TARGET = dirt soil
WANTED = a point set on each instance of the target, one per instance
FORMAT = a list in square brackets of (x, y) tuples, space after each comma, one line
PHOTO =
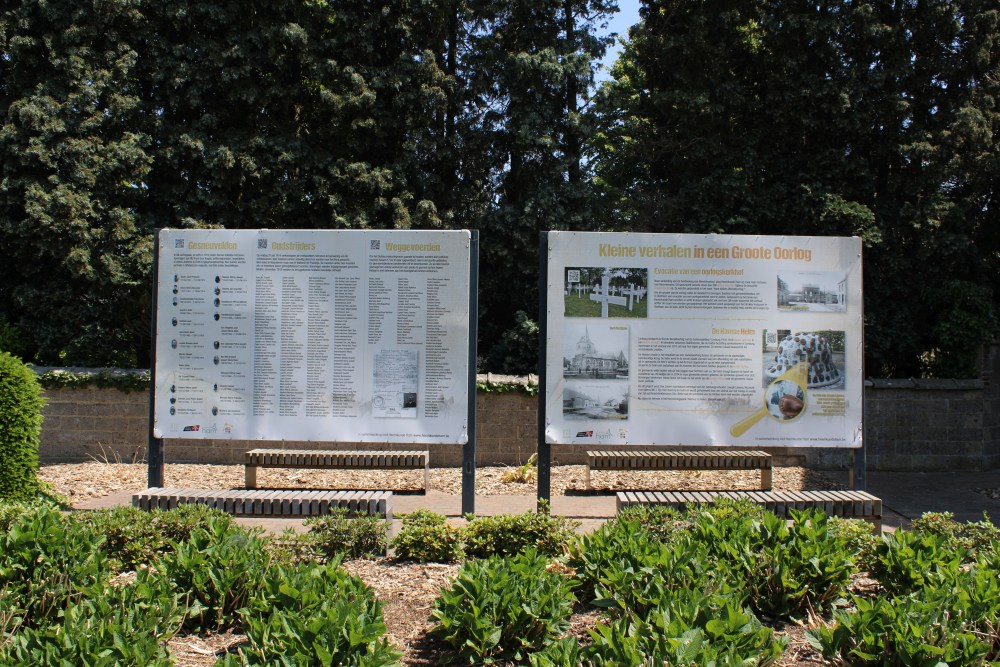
[(407, 591)]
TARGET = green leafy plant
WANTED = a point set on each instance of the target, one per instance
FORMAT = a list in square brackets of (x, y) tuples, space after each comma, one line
[(618, 545), (217, 570), (21, 405), (521, 474), (790, 569), (47, 562), (12, 511), (177, 525), (566, 652), (969, 536), (362, 536), (783, 570), (662, 522), (427, 537), (133, 537), (309, 614), (125, 625), (630, 573), (907, 630), (503, 609), (859, 538), (508, 534), (130, 537), (906, 561), (689, 627)]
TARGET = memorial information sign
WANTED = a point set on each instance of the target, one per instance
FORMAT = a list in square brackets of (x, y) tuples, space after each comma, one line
[(694, 340), (358, 336)]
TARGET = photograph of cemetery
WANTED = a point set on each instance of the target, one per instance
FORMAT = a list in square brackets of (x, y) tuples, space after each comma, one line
[(595, 351), (595, 400), (816, 291), (605, 292)]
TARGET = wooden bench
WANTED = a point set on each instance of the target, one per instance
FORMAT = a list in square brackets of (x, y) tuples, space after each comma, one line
[(269, 503), (681, 460), (333, 460), (845, 504)]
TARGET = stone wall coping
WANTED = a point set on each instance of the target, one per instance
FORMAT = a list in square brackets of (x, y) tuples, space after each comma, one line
[(933, 384), (936, 384), (41, 370)]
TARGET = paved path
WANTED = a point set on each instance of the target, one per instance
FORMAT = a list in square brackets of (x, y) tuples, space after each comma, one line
[(905, 496)]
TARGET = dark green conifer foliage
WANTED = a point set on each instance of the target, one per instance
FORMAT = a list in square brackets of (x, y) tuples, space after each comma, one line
[(876, 118)]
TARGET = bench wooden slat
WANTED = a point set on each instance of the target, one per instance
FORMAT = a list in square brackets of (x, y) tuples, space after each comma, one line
[(267, 503), (680, 460), (334, 459)]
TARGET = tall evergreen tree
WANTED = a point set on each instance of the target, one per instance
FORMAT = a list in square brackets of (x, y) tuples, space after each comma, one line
[(531, 72), (74, 155), (874, 118)]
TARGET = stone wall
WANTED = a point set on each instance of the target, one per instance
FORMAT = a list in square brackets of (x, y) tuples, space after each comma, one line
[(909, 425)]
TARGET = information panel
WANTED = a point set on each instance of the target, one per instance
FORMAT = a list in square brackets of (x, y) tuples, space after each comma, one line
[(696, 340), (358, 336)]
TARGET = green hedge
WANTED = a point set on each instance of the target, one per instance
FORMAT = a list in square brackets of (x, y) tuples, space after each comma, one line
[(138, 380)]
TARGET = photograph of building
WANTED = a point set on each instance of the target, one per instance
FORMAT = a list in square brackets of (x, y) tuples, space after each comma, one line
[(599, 352), (819, 291)]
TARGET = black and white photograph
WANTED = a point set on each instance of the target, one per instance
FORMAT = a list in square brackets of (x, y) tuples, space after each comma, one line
[(812, 291), (596, 351)]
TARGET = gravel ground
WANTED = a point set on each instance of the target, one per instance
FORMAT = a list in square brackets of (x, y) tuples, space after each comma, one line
[(94, 479)]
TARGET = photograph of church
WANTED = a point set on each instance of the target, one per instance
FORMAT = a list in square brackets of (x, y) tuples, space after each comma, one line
[(596, 351)]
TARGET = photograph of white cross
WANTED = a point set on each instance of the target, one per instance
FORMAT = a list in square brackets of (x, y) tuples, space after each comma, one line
[(606, 292), (604, 296)]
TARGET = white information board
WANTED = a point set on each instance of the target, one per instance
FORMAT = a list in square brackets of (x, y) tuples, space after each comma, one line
[(356, 336), (696, 340)]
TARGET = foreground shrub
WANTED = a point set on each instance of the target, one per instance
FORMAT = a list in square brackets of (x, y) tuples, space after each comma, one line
[(509, 534), (47, 563), (309, 614), (11, 511), (21, 405), (971, 537), (503, 609), (363, 536), (859, 538), (427, 537), (938, 611), (782, 570), (663, 523), (135, 537), (906, 561), (691, 629), (126, 625), (630, 572), (216, 570), (688, 628), (907, 630), (797, 567)]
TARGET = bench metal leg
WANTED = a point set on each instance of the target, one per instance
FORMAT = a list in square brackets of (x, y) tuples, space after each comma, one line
[(250, 477), (586, 477), (765, 479), (427, 475)]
